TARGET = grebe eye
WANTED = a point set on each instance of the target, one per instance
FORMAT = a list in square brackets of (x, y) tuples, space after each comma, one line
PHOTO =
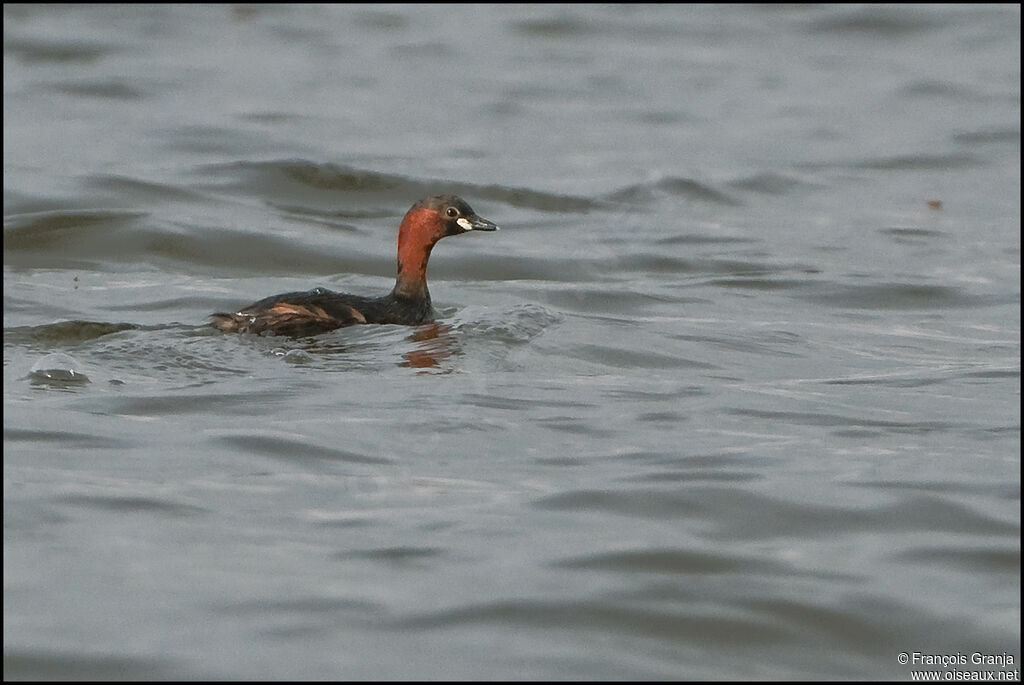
[(452, 212)]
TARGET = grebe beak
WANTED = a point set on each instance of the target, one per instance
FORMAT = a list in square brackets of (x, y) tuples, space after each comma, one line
[(476, 223)]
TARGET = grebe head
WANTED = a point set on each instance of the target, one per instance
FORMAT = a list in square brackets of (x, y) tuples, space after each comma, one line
[(429, 220), (438, 216)]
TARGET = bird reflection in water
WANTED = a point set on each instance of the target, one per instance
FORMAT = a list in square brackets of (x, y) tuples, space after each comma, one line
[(436, 342)]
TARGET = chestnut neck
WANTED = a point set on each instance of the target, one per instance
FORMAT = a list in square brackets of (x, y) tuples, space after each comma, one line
[(419, 232)]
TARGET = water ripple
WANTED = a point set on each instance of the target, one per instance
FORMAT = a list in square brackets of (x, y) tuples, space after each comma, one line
[(899, 296), (292, 178), (294, 448)]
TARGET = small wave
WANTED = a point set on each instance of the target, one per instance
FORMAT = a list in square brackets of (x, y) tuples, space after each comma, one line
[(584, 299), (108, 89), (140, 189), (517, 325), (135, 504), (294, 448), (676, 186), (875, 22), (623, 358), (922, 162), (989, 136), (63, 333), (983, 560), (702, 239), (684, 562), (844, 422), (263, 254), (39, 51), (68, 439), (554, 27), (906, 235), (297, 178), (899, 296), (21, 664), (771, 183), (760, 284), (67, 229)]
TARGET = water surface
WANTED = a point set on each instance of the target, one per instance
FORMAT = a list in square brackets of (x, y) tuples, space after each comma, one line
[(735, 393)]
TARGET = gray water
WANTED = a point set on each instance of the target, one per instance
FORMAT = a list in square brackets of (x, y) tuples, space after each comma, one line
[(735, 393)]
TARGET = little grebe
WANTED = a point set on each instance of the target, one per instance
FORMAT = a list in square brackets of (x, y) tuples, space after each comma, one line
[(320, 310)]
